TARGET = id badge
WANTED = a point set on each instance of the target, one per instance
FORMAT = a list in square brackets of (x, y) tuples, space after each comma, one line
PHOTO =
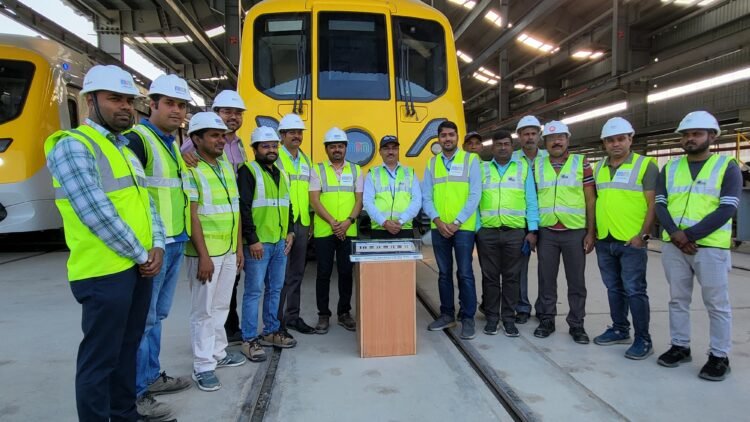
[(457, 170), (622, 176), (304, 170), (347, 180)]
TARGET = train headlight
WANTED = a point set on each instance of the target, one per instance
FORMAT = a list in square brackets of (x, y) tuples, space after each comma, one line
[(436, 148), (4, 144)]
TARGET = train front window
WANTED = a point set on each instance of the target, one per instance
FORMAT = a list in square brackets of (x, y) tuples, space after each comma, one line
[(15, 81), (419, 47), (353, 57), (282, 48)]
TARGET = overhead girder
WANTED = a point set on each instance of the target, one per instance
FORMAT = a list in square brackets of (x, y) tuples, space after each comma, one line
[(475, 12)]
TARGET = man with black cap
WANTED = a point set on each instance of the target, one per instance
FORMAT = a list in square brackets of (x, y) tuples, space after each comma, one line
[(473, 142), (392, 197)]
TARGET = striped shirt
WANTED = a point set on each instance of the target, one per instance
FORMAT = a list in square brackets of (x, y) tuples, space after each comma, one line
[(74, 167)]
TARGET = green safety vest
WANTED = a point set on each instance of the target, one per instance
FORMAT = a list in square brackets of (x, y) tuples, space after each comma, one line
[(299, 189), (270, 205), (218, 207), (450, 190), (690, 201), (561, 196), (123, 181), (503, 200), (392, 203), (164, 178), (337, 198), (620, 205)]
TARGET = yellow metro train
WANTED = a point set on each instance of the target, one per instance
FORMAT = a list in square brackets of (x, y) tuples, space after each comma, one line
[(40, 81), (369, 67)]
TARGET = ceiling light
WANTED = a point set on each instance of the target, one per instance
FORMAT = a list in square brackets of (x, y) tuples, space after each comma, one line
[(535, 43), (470, 4), (494, 17), (596, 55), (705, 3), (529, 87), (178, 39), (597, 112), (719, 80), (581, 54), (519, 86), (463, 56)]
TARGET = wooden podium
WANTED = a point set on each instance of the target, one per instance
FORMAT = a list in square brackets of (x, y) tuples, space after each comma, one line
[(386, 308)]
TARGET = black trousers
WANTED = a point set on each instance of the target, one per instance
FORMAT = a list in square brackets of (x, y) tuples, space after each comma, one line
[(384, 234), (113, 317), (568, 244), (500, 259), (289, 301), (232, 324), (326, 248)]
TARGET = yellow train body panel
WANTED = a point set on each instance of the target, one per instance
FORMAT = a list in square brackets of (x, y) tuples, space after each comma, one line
[(339, 91)]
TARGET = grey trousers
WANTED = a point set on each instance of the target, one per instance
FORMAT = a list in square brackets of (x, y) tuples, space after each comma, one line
[(552, 244), (711, 267), (289, 301)]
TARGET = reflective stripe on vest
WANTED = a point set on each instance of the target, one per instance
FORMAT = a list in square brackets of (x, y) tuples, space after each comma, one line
[(270, 206), (561, 196), (164, 177), (338, 200), (450, 190), (218, 208), (299, 185), (503, 200), (621, 206), (391, 202), (122, 180), (690, 201)]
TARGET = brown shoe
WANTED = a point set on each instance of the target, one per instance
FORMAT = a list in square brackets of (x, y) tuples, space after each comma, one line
[(346, 321), (279, 339), (324, 322), (253, 351)]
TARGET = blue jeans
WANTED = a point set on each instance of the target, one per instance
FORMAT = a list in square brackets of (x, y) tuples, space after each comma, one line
[(268, 271), (162, 294), (623, 271), (463, 244)]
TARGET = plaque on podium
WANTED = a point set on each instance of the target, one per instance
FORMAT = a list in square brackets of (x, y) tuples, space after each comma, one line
[(386, 273)]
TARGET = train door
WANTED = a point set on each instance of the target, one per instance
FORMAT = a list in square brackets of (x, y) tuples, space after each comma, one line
[(352, 87)]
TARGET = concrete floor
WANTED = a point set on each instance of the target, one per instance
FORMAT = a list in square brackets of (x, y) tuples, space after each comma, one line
[(324, 379)]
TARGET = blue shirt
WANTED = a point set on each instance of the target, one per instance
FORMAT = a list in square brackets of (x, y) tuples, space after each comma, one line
[(74, 167), (475, 191), (369, 197), (532, 205)]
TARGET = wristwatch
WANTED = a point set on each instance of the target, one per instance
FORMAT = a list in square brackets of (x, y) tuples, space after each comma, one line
[(645, 237), (352, 220), (456, 222)]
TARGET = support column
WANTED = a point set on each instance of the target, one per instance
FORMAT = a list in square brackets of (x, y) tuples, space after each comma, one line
[(620, 37), (109, 33), (233, 36), (638, 112)]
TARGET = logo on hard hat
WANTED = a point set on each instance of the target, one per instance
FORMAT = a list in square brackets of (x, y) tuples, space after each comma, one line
[(218, 121), (552, 128), (180, 90), (126, 83)]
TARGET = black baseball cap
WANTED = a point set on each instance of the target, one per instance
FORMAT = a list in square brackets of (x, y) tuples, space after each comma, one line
[(388, 139), (473, 135)]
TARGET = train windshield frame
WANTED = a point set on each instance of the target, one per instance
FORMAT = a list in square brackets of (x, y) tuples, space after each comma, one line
[(281, 55), (15, 82), (420, 57), (353, 56)]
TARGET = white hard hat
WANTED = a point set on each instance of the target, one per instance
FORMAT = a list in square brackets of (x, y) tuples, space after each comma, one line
[(109, 78), (334, 135), (263, 134), (230, 99), (291, 121), (206, 120), (617, 126), (699, 120), (528, 121), (554, 127), (170, 86)]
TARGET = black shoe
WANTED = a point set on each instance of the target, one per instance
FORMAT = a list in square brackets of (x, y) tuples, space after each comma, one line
[(234, 338), (716, 369), (510, 329), (481, 309), (346, 321), (579, 335), (522, 318), (545, 328), (300, 326), (490, 328), (673, 357)]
